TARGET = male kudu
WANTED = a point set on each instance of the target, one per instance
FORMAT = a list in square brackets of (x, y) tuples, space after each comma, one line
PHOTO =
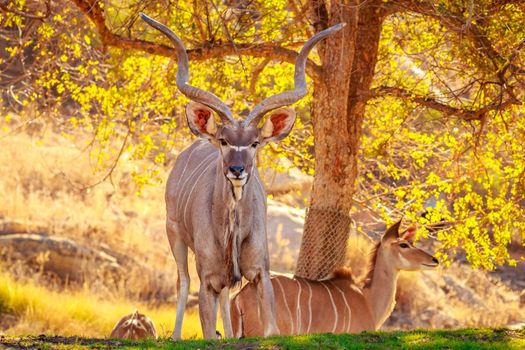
[(215, 201), (337, 305)]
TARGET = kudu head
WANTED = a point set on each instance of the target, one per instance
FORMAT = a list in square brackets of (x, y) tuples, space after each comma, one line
[(134, 326), (401, 253), (239, 140)]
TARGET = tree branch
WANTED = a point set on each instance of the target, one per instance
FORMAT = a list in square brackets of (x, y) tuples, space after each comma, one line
[(426, 101), (256, 72), (299, 12), (456, 23), (3, 6), (94, 12)]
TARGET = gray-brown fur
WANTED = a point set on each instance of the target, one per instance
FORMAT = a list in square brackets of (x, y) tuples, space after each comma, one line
[(215, 202), (199, 198)]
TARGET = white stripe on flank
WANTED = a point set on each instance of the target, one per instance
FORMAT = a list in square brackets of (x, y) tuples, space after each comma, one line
[(260, 184), (189, 195), (347, 328), (177, 193), (286, 304), (298, 306), (183, 186), (309, 307), (333, 305)]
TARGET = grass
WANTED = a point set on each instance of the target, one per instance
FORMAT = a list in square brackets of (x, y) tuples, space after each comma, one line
[(418, 339), (68, 313)]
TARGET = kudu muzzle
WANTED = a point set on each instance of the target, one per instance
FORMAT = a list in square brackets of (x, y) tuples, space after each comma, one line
[(236, 172)]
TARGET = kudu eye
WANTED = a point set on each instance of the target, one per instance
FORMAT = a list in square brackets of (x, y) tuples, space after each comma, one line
[(404, 245), (223, 142), (255, 144)]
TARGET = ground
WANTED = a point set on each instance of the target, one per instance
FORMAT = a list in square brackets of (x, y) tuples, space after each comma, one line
[(418, 339)]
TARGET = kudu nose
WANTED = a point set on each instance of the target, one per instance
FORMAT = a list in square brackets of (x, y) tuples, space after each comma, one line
[(435, 260), (236, 170)]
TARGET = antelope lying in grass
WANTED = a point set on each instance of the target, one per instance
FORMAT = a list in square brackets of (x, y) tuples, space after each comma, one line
[(134, 326), (336, 305), (215, 201)]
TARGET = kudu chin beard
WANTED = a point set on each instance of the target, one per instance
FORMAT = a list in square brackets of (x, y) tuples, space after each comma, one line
[(238, 186), (237, 183)]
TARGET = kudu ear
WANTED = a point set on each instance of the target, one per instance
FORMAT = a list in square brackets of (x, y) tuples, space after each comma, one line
[(392, 232), (201, 120), (278, 125), (409, 233)]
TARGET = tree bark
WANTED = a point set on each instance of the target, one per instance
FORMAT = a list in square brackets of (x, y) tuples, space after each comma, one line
[(338, 111)]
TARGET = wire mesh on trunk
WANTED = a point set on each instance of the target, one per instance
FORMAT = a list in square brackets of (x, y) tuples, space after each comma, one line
[(323, 247)]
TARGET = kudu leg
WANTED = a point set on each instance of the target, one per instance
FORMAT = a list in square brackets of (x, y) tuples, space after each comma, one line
[(208, 299), (265, 298), (224, 301), (180, 252)]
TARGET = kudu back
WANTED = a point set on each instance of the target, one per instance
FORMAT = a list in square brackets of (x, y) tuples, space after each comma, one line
[(215, 201)]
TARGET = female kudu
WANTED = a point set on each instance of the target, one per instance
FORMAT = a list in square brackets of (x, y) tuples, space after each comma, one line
[(336, 305), (134, 326)]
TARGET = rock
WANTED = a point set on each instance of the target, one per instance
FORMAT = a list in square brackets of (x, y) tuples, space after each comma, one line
[(20, 226), (285, 230), (62, 256), (193, 300), (441, 319), (278, 183), (462, 292), (7, 321), (76, 263), (516, 326)]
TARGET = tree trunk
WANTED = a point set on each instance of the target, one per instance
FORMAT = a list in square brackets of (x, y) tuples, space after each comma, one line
[(338, 113)]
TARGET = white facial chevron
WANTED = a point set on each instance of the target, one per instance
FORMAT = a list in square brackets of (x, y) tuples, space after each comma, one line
[(239, 148)]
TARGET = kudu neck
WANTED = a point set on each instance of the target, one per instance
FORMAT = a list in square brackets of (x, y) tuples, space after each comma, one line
[(380, 291)]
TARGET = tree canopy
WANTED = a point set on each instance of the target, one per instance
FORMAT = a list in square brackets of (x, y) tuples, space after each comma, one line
[(443, 125)]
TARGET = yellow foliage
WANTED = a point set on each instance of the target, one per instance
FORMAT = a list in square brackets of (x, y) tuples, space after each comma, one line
[(469, 174)]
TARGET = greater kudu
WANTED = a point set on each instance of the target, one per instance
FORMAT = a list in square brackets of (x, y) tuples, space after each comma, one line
[(134, 326), (215, 201), (336, 305)]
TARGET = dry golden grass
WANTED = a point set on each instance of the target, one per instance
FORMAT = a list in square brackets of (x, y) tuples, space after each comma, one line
[(45, 185), (81, 313)]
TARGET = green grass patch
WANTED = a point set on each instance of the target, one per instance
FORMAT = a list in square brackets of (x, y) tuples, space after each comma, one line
[(418, 339)]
